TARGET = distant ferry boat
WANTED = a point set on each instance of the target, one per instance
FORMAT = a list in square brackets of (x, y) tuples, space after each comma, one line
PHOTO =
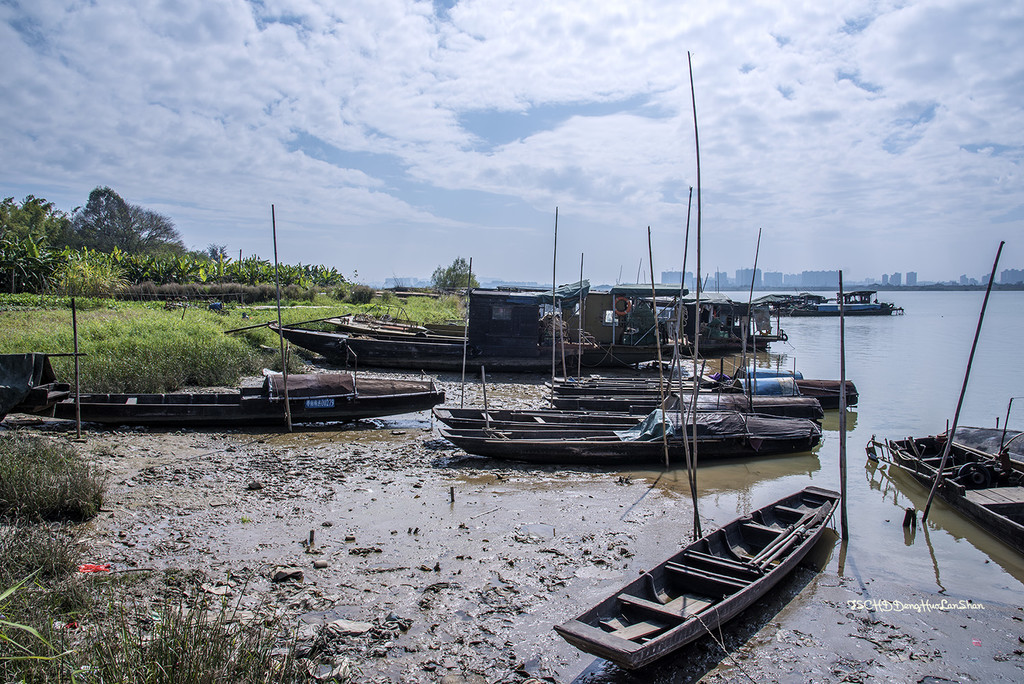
[(857, 303)]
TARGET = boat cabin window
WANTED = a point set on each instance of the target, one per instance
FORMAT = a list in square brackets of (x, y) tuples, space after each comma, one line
[(501, 313), (609, 317)]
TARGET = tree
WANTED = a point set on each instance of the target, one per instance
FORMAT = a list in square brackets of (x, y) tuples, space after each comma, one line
[(108, 222), (36, 219), (453, 277)]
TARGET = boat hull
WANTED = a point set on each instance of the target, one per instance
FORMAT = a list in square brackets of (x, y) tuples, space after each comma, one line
[(705, 585)]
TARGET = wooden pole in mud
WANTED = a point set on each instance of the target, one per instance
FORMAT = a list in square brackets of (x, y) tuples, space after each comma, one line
[(554, 259), (78, 384), (579, 331), (844, 525), (750, 317), (951, 430), (483, 383), (465, 334), (657, 342), (280, 333)]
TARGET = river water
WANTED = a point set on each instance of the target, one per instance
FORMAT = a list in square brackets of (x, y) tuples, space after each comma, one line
[(908, 370)]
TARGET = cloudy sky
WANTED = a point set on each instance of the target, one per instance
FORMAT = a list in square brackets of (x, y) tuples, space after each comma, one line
[(394, 135)]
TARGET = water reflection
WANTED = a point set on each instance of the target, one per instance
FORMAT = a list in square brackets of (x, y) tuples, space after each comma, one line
[(905, 492)]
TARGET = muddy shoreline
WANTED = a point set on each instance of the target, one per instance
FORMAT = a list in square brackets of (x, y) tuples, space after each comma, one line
[(444, 567)]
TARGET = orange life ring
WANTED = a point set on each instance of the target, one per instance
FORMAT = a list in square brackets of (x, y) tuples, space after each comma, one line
[(624, 310)]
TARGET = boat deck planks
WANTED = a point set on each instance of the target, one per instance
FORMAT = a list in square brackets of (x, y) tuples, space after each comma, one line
[(996, 495)]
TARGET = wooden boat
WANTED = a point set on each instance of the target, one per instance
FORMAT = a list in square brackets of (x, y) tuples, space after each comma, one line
[(792, 407), (857, 303), (709, 582), (726, 434), (594, 393), (312, 398), (388, 327), (28, 384), (987, 489), (435, 354)]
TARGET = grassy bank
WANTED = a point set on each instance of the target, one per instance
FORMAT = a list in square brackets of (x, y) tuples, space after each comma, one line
[(146, 348), (61, 625)]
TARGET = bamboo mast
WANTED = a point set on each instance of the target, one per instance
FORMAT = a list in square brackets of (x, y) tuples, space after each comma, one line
[(677, 357), (579, 331), (696, 338), (750, 318), (963, 389), (78, 384), (465, 334), (280, 332), (554, 259), (657, 341), (844, 524)]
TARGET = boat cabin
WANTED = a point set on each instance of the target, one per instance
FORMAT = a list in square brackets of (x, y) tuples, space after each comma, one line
[(513, 324), (627, 315)]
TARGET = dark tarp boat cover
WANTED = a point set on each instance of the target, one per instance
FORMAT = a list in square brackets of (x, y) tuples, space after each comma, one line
[(310, 385), (718, 424), (19, 373), (988, 440)]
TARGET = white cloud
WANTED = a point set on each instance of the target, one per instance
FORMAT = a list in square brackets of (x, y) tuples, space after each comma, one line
[(393, 135)]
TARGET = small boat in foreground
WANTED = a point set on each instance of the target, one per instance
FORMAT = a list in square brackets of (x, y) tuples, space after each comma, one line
[(315, 397), (705, 585), (988, 489)]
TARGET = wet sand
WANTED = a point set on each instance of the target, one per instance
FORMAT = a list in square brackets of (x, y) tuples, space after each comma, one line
[(452, 568)]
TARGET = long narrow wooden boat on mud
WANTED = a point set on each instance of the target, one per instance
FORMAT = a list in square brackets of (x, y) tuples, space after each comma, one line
[(792, 407), (601, 394), (720, 435), (433, 353), (709, 582), (988, 489), (312, 398)]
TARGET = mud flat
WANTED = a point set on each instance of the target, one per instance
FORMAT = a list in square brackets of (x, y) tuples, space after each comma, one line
[(429, 565)]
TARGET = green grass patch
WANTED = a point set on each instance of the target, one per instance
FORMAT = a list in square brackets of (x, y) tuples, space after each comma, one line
[(143, 347), (44, 479)]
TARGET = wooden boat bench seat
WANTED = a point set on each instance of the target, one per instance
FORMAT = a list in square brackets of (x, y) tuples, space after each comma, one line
[(724, 584), (763, 528), (635, 630), (677, 609), (734, 567)]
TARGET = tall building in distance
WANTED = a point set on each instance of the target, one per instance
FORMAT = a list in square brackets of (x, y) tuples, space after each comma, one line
[(1012, 276), (911, 278), (885, 279), (896, 279), (743, 277), (772, 279)]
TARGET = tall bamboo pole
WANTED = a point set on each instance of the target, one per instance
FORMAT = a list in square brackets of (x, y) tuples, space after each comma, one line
[(579, 331), (465, 333), (554, 259), (746, 329), (78, 383), (696, 338), (844, 524), (280, 332), (963, 389), (657, 342)]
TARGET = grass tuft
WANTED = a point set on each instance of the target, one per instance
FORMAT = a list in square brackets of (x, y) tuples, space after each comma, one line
[(44, 479)]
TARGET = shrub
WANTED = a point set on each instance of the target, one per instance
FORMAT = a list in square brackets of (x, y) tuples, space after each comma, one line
[(361, 294)]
